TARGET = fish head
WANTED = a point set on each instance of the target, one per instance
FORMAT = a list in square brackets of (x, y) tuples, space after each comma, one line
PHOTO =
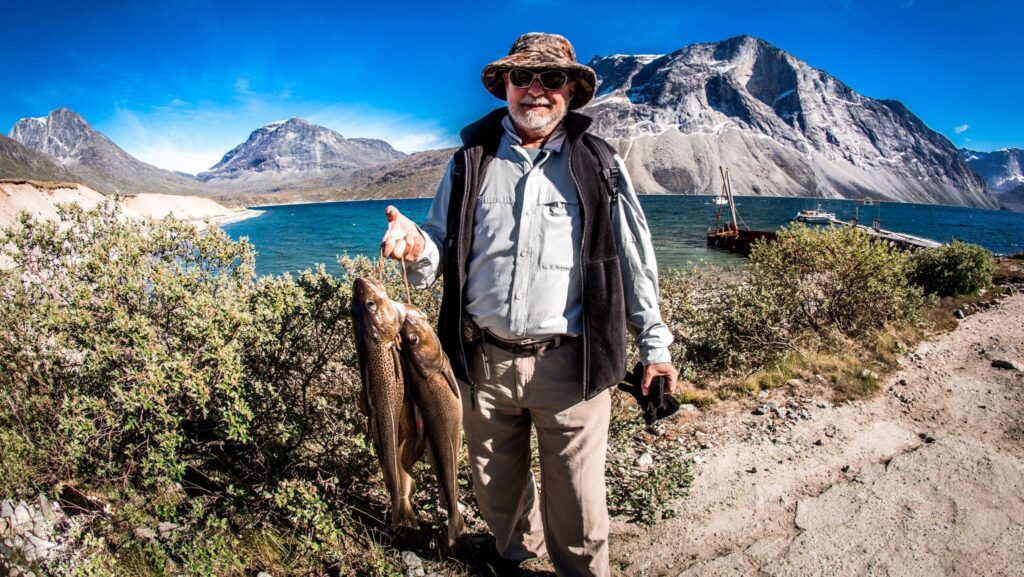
[(374, 314), (419, 340)]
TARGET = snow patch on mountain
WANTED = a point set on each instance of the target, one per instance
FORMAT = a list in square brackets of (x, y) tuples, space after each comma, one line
[(782, 127)]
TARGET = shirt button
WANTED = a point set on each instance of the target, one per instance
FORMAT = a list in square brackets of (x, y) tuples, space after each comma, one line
[(522, 253)]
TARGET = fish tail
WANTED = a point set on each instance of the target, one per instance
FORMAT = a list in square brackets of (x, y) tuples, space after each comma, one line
[(456, 525)]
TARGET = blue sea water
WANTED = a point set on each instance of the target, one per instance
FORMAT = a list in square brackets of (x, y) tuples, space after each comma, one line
[(294, 237)]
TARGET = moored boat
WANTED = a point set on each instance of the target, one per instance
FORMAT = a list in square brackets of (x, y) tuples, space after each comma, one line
[(815, 216), (733, 235)]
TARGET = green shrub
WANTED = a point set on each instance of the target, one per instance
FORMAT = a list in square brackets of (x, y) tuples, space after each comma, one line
[(953, 269), (143, 362), (120, 344), (837, 278), (803, 289), (720, 324)]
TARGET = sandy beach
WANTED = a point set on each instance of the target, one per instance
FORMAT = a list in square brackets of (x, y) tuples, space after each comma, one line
[(41, 199)]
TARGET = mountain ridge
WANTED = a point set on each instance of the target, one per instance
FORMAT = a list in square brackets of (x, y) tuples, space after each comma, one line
[(96, 160), (20, 161), (297, 147), (783, 128), (1003, 171)]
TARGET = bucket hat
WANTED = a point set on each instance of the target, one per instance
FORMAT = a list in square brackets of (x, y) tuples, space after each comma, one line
[(540, 51)]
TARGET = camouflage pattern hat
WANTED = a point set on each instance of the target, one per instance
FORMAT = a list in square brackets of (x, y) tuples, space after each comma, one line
[(536, 51)]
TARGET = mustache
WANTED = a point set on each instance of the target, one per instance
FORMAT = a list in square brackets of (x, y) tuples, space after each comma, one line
[(538, 101)]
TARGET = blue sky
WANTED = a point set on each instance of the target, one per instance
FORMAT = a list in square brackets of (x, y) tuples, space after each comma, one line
[(179, 83)]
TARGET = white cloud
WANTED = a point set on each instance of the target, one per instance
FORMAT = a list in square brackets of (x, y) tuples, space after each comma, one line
[(401, 131), (417, 141), (186, 140), (961, 129), (170, 156)]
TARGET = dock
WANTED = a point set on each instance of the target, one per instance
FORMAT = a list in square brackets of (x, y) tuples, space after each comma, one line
[(902, 241)]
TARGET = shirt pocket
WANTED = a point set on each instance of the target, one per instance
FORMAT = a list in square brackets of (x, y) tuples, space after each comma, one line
[(559, 232)]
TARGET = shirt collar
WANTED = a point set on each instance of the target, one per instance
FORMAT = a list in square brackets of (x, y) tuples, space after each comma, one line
[(554, 142)]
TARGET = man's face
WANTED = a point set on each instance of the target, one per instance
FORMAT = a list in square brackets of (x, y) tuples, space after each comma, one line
[(536, 109)]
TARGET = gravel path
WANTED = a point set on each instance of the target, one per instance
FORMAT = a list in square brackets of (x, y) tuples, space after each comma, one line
[(926, 478)]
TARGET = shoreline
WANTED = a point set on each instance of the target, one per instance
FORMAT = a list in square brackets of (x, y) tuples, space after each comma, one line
[(41, 200), (874, 201), (305, 202)]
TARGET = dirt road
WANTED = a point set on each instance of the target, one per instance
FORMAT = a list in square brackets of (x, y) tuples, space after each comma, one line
[(924, 479)]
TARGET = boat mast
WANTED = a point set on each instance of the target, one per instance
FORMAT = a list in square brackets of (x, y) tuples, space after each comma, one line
[(732, 203), (718, 212)]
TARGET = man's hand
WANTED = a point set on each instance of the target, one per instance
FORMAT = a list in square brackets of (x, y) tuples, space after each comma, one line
[(402, 240), (657, 370)]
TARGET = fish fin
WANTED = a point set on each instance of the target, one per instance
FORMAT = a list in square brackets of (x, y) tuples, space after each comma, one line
[(449, 375), (364, 397), (403, 517), (456, 525)]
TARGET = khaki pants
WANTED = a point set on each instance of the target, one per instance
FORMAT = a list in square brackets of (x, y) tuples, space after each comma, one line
[(570, 520)]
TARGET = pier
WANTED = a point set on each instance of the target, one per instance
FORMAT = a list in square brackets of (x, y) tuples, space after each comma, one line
[(900, 240)]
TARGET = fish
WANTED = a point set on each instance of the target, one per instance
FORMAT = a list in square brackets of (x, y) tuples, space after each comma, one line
[(435, 391), (391, 416)]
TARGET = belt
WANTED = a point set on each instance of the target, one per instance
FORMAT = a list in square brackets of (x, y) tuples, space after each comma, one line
[(528, 347)]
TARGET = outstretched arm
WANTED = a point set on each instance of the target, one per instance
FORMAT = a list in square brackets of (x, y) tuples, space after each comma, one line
[(420, 245)]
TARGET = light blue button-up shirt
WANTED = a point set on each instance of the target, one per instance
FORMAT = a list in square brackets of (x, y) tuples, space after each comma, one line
[(524, 265)]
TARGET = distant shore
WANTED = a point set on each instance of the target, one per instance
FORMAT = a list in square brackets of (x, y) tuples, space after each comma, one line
[(303, 202), (41, 199), (875, 202)]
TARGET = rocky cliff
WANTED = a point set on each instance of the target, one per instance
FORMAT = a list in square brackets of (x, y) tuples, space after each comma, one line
[(98, 162), (18, 161), (782, 127), (1002, 172)]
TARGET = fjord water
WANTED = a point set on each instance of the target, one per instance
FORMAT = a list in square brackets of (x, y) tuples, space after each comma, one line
[(289, 238)]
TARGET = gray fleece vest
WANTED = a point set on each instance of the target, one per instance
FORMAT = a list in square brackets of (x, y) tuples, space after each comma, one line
[(604, 309)]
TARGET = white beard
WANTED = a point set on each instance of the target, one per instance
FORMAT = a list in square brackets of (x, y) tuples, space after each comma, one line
[(536, 119)]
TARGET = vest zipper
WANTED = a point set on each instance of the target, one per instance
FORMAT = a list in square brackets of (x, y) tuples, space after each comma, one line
[(583, 272)]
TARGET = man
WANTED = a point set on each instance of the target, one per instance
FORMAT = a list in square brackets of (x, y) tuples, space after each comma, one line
[(544, 265)]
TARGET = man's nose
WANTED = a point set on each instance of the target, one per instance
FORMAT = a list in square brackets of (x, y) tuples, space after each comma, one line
[(535, 84)]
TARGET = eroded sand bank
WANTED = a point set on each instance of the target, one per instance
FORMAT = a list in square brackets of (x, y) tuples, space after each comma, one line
[(41, 199)]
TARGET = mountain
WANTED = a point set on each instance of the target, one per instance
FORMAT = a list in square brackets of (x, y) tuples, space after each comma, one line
[(416, 175), (293, 149), (67, 137), (1002, 172), (18, 161), (781, 127)]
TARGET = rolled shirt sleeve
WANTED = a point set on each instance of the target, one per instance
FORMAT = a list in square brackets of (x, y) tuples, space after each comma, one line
[(424, 271), (639, 274)]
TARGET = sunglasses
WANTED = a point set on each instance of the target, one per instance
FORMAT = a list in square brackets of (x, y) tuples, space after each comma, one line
[(549, 79)]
